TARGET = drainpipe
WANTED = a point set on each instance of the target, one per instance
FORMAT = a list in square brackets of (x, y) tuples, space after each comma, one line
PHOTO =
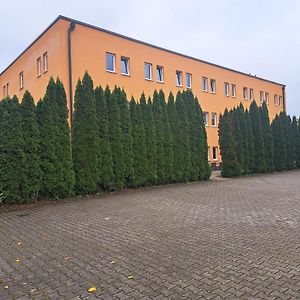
[(283, 98), (70, 29)]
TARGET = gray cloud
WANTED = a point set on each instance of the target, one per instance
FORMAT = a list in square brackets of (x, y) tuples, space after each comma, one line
[(259, 37)]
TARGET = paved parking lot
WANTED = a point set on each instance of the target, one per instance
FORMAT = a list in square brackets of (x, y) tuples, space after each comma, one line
[(233, 239)]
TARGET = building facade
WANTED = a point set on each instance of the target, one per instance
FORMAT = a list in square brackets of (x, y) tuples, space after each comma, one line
[(68, 48)]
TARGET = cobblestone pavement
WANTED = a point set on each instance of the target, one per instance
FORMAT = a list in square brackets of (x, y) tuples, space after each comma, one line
[(233, 239)]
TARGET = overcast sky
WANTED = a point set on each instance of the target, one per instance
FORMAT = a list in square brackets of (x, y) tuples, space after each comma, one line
[(260, 37)]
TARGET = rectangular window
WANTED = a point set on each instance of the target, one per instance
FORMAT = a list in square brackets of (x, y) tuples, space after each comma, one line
[(226, 89), (280, 100), (233, 90), (215, 153), (251, 94), (245, 93), (208, 153), (21, 80), (110, 62), (148, 71), (39, 67), (188, 80), (267, 98), (213, 119), (178, 78), (204, 84), (261, 96), (159, 74), (4, 91), (7, 91), (213, 86), (124, 65), (205, 118), (45, 62), (276, 100)]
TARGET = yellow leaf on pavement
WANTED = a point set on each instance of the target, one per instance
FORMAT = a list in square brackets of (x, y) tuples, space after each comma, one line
[(130, 277), (92, 290), (17, 260)]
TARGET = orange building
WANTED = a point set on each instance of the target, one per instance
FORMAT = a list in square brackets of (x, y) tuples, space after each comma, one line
[(68, 48)]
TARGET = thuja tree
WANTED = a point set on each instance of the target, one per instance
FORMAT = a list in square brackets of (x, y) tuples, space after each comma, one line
[(139, 150), (85, 138), (230, 164), (115, 138), (31, 137), (259, 145), (294, 141), (147, 116), (298, 145), (11, 152), (106, 175), (250, 138), (267, 136)]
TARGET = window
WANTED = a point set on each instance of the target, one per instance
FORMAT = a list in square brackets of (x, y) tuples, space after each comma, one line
[(21, 80), (233, 90), (45, 62), (39, 67), (148, 71), (267, 98), (276, 100), (261, 96), (280, 100), (208, 152), (204, 84), (226, 89), (245, 93), (124, 65), (215, 153), (205, 118), (4, 91), (159, 74), (189, 80), (110, 62), (7, 92), (212, 86), (251, 94), (213, 119), (178, 78)]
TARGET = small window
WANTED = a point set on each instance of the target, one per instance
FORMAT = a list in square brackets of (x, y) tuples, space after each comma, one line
[(148, 71), (213, 119), (189, 80), (7, 90), (4, 91), (261, 96), (275, 100), (21, 80), (124, 65), (280, 100), (233, 90), (267, 98), (159, 74), (45, 62), (226, 89), (215, 153), (251, 96), (178, 78), (205, 118), (110, 62), (204, 84), (208, 153), (213, 86), (245, 93), (39, 67)]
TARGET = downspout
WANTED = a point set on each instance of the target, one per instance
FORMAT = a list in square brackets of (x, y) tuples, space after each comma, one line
[(70, 29), (283, 98)]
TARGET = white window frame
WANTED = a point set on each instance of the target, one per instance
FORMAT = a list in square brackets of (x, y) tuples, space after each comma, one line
[(275, 100), (160, 73), (267, 98), (45, 62), (214, 121), (178, 78), (251, 94), (233, 90), (150, 70), (245, 93), (114, 62), (124, 58), (188, 75), (215, 151), (280, 100), (213, 86), (261, 96), (206, 118), (21, 80), (204, 84), (39, 66), (226, 89)]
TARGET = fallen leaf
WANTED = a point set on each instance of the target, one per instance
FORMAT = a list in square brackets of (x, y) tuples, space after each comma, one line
[(19, 243), (24, 283), (112, 262), (106, 218), (32, 290), (67, 258), (17, 260), (130, 277), (92, 290), (6, 287)]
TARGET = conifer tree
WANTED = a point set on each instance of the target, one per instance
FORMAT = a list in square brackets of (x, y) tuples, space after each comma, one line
[(245, 137), (31, 137), (139, 150), (11, 152), (115, 136), (250, 138), (286, 122), (294, 142), (298, 145), (147, 115), (85, 138), (267, 136), (280, 150), (106, 175), (259, 146), (230, 165)]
